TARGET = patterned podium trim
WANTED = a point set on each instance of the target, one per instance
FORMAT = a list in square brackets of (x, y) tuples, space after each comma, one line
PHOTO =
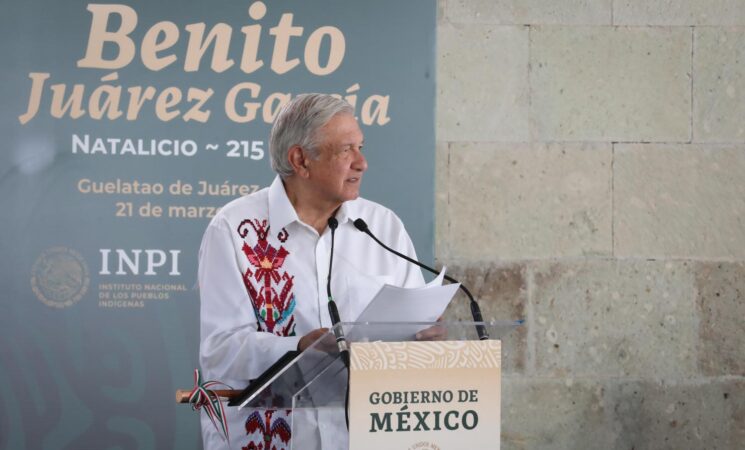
[(426, 355)]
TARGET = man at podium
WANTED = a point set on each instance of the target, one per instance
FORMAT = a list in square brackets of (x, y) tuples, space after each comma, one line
[(264, 264)]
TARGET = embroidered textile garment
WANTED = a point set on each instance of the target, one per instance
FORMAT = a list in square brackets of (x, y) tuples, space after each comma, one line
[(262, 281)]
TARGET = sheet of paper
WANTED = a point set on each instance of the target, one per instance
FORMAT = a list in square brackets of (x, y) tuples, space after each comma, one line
[(437, 280), (396, 304)]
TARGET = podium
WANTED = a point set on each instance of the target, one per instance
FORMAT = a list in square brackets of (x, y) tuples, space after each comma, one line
[(399, 392)]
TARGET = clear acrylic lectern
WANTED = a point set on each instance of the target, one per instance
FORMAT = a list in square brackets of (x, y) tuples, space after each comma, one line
[(313, 384)]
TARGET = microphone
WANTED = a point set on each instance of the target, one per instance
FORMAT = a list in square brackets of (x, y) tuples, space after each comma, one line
[(341, 341), (475, 310)]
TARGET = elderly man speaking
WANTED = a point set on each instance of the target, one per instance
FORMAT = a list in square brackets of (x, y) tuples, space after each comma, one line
[(264, 261)]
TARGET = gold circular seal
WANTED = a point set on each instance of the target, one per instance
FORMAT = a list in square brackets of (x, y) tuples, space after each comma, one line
[(59, 277)]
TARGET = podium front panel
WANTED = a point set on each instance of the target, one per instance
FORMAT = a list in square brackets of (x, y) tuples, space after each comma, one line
[(314, 385)]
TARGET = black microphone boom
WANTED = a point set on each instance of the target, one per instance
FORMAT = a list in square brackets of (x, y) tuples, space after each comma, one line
[(341, 341), (475, 310)]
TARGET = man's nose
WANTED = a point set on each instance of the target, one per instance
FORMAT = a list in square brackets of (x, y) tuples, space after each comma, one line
[(360, 162)]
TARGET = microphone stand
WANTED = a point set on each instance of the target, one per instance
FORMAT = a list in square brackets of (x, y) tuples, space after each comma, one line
[(341, 341)]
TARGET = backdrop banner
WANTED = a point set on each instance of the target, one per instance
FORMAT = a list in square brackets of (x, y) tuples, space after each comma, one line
[(125, 127)]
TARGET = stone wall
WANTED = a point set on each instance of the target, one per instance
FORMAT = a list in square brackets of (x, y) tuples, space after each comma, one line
[(591, 180)]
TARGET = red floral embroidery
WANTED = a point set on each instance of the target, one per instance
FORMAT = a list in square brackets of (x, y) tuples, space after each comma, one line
[(269, 288), (270, 429)]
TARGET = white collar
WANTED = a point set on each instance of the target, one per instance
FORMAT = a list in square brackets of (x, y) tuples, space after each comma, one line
[(282, 213), (348, 211)]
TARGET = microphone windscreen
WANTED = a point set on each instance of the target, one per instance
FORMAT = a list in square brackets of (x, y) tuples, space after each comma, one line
[(360, 225), (333, 223)]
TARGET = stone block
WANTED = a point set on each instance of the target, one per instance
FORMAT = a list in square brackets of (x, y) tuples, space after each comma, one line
[(611, 318), (670, 415), (737, 395), (719, 85), (680, 201), (610, 84), (482, 83), (530, 12), (554, 414), (502, 295), (678, 12), (622, 414), (721, 307), (517, 201)]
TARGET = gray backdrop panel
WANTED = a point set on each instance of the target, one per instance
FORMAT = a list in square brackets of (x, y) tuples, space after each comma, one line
[(85, 361)]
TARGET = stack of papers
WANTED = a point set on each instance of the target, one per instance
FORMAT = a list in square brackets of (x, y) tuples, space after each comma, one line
[(422, 304)]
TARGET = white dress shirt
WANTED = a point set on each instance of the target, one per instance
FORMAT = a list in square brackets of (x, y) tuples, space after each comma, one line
[(255, 249)]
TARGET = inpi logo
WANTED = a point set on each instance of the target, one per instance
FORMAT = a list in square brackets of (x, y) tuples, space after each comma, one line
[(136, 261)]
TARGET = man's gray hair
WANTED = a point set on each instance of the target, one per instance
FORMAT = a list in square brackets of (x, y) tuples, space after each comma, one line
[(298, 123)]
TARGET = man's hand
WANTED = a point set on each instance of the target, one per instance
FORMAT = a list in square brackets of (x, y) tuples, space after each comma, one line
[(433, 333), (312, 337)]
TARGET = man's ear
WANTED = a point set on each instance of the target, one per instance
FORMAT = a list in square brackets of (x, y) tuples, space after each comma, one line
[(298, 160)]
